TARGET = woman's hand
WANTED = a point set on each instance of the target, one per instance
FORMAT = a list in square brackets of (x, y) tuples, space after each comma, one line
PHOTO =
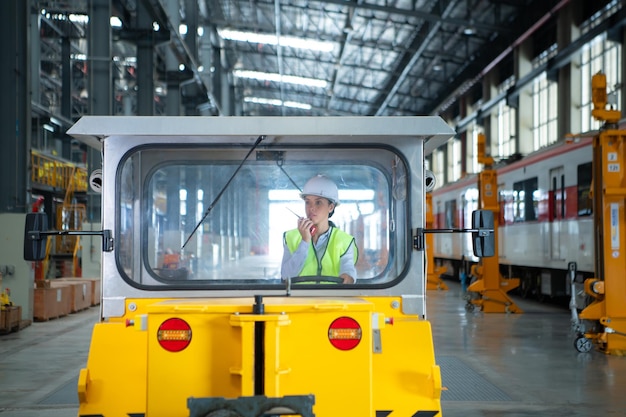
[(347, 279), (305, 226)]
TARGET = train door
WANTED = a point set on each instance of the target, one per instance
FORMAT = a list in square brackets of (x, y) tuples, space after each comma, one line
[(469, 203), (556, 211)]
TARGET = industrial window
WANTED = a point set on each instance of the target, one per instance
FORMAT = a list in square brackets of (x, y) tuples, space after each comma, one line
[(585, 204), (505, 145), (470, 148), (439, 166), (545, 104), (599, 55), (455, 157), (525, 200)]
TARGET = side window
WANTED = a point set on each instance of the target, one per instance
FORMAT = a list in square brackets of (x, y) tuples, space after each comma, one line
[(507, 206), (525, 200), (451, 215), (470, 203), (502, 204), (585, 206)]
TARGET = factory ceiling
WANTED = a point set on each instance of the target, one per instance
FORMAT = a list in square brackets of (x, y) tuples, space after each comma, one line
[(309, 57)]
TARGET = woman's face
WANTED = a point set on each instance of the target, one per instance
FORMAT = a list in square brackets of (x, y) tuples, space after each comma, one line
[(317, 208)]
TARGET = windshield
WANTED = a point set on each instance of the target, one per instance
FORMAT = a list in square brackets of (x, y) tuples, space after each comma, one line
[(168, 198)]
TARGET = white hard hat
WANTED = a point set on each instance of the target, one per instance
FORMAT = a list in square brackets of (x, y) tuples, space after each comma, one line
[(321, 186)]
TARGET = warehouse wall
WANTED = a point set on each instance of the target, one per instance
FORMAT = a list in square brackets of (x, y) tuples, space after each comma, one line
[(21, 282)]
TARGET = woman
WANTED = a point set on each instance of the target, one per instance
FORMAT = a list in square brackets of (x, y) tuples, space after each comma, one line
[(316, 247)]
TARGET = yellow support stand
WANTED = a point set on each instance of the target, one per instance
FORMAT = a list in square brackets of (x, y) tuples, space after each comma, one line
[(490, 288), (608, 289), (433, 272)]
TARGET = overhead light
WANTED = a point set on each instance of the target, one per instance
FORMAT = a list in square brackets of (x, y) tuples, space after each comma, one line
[(469, 31), (270, 39), (115, 22), (79, 18), (290, 79), (276, 102), (183, 29)]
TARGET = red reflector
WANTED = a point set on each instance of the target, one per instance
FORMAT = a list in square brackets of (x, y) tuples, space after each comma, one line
[(174, 335), (344, 333)]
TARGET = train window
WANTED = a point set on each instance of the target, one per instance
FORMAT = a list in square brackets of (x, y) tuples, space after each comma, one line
[(585, 204), (507, 206), (470, 203), (451, 215), (190, 237), (562, 196), (525, 200), (558, 196)]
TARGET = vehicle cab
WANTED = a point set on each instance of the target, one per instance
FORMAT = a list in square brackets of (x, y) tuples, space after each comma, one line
[(196, 319)]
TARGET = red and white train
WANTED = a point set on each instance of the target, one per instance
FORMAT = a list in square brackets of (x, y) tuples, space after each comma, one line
[(545, 219)]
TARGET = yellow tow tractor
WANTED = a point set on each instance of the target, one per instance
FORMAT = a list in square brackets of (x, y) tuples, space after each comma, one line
[(197, 319)]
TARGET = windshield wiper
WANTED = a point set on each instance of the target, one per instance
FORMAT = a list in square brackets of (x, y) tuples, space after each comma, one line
[(208, 210)]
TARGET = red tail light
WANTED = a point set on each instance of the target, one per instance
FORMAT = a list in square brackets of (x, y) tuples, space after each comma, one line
[(344, 333), (174, 335)]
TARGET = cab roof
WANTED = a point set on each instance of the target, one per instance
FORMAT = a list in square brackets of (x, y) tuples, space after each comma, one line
[(91, 130)]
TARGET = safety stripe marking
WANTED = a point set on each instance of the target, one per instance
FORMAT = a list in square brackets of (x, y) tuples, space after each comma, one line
[(385, 413)]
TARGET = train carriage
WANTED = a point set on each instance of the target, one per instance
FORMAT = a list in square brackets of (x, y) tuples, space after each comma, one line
[(545, 218)]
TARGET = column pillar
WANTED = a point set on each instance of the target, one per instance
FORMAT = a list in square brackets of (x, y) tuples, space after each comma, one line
[(15, 142), (523, 65), (15, 107), (569, 77), (145, 62), (100, 85)]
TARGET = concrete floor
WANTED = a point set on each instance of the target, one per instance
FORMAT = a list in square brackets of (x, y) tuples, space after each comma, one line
[(520, 365), (492, 364), (39, 366)]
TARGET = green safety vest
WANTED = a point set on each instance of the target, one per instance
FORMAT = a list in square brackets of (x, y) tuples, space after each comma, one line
[(329, 264)]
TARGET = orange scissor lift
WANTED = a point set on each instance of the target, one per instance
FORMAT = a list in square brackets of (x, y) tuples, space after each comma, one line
[(603, 321)]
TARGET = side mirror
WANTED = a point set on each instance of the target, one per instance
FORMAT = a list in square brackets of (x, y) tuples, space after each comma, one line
[(483, 239), (34, 240)]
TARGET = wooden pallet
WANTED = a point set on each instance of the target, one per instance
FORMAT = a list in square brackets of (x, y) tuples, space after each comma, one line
[(10, 318)]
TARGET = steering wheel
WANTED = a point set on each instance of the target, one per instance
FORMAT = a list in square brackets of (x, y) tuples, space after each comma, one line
[(317, 279)]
